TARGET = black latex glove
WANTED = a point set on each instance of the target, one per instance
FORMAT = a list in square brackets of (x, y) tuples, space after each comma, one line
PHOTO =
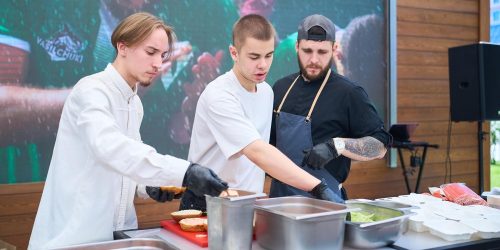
[(318, 156), (323, 192), (201, 180), (161, 196)]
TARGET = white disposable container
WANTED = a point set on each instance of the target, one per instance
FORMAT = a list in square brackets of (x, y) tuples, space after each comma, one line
[(482, 210), (454, 214), (414, 199), (492, 218), (485, 229), (449, 230), (416, 222)]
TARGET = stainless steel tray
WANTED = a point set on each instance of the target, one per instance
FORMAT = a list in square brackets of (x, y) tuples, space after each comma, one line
[(129, 244), (378, 233), (299, 207), (298, 222), (393, 204)]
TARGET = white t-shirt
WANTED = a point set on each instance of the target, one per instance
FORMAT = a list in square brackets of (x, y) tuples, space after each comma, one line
[(227, 119)]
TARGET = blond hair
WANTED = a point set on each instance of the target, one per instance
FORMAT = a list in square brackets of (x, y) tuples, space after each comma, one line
[(139, 26), (254, 26)]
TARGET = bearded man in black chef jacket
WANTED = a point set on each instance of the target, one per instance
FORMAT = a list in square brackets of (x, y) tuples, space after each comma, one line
[(323, 120)]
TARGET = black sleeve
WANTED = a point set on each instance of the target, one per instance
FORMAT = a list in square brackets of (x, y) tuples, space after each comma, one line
[(363, 117)]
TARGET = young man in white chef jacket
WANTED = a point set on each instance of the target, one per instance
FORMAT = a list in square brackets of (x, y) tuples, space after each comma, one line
[(98, 155)]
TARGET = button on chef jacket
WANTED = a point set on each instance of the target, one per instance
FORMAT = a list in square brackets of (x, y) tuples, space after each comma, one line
[(98, 158)]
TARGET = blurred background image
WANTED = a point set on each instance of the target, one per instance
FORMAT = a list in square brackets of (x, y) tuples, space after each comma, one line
[(43, 53)]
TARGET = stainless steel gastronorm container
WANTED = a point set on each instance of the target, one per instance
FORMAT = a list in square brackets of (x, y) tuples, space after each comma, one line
[(392, 204), (298, 222), (128, 244), (230, 220), (387, 202), (375, 234)]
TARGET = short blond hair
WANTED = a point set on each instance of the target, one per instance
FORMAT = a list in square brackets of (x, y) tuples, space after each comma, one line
[(139, 26), (254, 26)]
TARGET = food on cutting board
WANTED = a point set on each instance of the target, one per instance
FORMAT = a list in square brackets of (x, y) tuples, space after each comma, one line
[(194, 224), (363, 217), (229, 192), (183, 214), (174, 189)]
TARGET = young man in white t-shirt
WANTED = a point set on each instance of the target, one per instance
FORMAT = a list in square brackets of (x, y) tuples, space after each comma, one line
[(233, 120)]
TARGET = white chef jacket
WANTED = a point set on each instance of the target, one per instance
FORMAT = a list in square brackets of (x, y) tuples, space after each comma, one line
[(98, 158), (228, 118)]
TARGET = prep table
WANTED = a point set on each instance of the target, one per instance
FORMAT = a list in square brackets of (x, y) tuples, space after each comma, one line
[(409, 240)]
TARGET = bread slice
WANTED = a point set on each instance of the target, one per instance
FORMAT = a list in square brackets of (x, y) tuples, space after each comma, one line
[(183, 214), (174, 189), (194, 224), (229, 192)]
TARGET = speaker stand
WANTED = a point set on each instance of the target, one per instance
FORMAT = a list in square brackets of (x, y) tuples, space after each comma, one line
[(480, 138)]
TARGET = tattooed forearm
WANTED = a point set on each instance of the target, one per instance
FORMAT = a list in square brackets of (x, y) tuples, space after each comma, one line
[(364, 149)]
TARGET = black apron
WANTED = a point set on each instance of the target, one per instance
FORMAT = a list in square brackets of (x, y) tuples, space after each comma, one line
[(293, 135)]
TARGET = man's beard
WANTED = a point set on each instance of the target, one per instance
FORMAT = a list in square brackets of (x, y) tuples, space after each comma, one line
[(320, 75)]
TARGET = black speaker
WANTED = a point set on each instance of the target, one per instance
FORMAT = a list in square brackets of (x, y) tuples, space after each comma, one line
[(474, 82)]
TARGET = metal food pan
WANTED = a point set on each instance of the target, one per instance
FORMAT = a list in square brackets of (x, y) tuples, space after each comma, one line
[(230, 220), (393, 205), (129, 244), (375, 234), (298, 222)]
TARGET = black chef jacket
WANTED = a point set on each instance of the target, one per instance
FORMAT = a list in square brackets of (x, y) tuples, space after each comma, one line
[(343, 110)]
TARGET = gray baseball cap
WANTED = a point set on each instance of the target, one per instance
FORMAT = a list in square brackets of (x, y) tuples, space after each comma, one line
[(316, 20)]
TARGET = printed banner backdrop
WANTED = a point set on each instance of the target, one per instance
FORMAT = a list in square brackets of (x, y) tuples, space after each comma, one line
[(47, 46)]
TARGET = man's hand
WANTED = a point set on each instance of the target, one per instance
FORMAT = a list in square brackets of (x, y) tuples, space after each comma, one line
[(318, 156), (323, 192), (161, 196), (201, 180)]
